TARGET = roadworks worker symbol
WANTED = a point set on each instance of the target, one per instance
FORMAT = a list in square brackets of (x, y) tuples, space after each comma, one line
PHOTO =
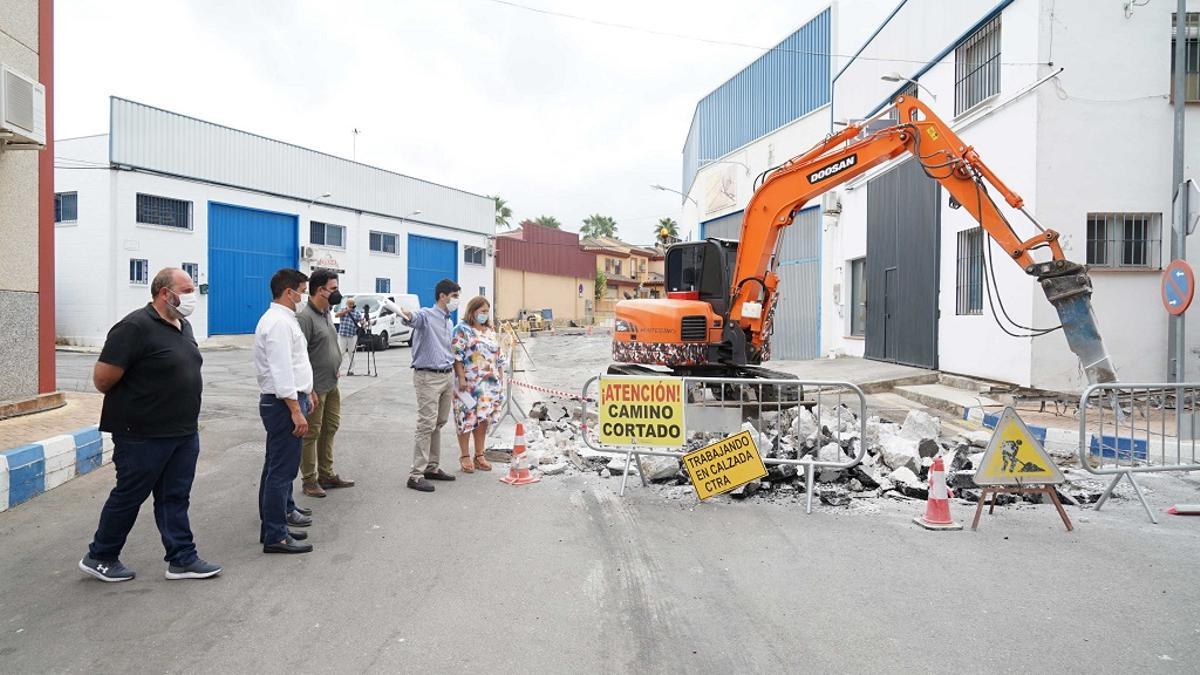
[(641, 411), (725, 465), (1014, 457)]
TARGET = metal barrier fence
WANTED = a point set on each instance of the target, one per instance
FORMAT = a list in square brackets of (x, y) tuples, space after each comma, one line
[(719, 406), (1130, 428)]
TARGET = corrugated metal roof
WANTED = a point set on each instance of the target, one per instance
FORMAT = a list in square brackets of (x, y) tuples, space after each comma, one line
[(782, 85), (544, 250), (152, 139)]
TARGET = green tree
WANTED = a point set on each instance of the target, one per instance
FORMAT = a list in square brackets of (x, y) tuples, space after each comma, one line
[(548, 221), (597, 225), (503, 213), (666, 231), (601, 284)]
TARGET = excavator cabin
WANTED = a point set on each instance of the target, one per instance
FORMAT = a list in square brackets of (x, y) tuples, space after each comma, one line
[(690, 331)]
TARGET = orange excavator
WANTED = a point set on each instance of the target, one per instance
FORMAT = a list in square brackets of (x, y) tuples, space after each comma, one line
[(721, 294)]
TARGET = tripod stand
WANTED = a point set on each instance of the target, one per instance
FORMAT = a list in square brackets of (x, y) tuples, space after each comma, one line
[(368, 350)]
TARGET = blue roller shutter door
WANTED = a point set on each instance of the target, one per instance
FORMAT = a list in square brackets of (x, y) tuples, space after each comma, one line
[(245, 248), (429, 261)]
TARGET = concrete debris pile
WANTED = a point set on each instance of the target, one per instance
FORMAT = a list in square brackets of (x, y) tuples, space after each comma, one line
[(895, 465)]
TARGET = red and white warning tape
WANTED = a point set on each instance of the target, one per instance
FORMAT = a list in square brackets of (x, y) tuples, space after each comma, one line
[(546, 390)]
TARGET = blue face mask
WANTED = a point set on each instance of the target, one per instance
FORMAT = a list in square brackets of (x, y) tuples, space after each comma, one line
[(482, 318)]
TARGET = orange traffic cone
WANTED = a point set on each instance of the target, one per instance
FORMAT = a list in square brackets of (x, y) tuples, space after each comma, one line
[(937, 507), (518, 466)]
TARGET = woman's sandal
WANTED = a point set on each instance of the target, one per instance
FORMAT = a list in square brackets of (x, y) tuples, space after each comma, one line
[(464, 461), (481, 463)]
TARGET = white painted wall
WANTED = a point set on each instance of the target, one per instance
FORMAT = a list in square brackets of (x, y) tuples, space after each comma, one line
[(1105, 144), (82, 266), (93, 256)]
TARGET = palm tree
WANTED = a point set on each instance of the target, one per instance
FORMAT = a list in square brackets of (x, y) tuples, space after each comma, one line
[(666, 231), (597, 225), (503, 213), (548, 221)]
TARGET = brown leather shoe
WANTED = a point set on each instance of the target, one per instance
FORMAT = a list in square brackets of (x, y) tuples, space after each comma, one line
[(482, 464), (313, 490), (335, 481)]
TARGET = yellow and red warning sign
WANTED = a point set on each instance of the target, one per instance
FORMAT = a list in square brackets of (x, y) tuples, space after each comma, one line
[(641, 411), (1014, 456), (725, 465)]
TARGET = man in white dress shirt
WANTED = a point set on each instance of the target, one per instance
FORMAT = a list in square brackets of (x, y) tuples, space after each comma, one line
[(285, 380)]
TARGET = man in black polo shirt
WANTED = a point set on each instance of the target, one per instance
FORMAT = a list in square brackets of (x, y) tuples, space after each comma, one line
[(149, 373)]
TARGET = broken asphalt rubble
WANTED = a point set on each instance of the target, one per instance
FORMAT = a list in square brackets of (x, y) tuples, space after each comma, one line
[(896, 463)]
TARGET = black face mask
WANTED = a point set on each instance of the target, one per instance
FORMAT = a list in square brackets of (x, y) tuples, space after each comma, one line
[(335, 298)]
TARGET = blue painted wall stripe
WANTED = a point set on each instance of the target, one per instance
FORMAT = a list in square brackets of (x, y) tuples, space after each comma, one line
[(26, 473)]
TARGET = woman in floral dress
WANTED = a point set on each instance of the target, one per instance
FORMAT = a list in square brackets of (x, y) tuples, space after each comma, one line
[(479, 368)]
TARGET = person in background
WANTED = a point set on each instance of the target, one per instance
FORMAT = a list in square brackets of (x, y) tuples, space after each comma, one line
[(149, 373), (479, 371), (316, 458), (285, 380), (433, 379), (349, 320)]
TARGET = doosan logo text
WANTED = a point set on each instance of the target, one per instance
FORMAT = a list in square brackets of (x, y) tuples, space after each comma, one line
[(831, 169)]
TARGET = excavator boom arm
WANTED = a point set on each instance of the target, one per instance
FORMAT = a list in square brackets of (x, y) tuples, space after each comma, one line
[(946, 159)]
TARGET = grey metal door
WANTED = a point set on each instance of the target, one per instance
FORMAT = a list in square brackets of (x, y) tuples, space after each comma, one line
[(902, 260)]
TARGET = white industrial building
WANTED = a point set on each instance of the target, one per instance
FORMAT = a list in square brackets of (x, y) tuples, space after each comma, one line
[(1068, 102), (162, 189)]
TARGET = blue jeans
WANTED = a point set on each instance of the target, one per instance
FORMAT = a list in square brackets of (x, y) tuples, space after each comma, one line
[(280, 466), (163, 467)]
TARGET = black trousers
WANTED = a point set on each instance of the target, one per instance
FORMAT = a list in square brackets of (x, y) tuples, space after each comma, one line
[(163, 467)]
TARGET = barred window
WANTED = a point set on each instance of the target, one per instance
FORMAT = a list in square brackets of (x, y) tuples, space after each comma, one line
[(193, 271), (1191, 57), (977, 67), (383, 285), (1124, 240), (325, 234), (66, 207), (383, 242), (139, 271), (858, 297), (164, 212), (474, 255), (970, 272)]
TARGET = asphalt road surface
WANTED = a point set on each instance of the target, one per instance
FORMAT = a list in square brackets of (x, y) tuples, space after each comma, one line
[(564, 576)]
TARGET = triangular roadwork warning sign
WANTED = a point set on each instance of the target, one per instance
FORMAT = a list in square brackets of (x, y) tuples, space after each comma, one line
[(1014, 457)]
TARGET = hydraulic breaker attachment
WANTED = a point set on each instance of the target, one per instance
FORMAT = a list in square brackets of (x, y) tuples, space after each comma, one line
[(1069, 288)]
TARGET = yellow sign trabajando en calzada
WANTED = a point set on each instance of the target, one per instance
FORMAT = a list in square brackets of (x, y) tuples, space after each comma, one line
[(644, 411), (724, 465)]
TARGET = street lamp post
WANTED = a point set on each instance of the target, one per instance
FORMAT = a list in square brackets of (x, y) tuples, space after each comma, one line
[(664, 188), (897, 77)]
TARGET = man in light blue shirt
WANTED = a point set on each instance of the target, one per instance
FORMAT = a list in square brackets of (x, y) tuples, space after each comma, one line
[(433, 378)]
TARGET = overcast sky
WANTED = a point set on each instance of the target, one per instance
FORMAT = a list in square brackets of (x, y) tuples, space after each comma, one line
[(560, 117)]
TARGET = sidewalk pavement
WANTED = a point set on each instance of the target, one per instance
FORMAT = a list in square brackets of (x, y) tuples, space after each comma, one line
[(41, 451)]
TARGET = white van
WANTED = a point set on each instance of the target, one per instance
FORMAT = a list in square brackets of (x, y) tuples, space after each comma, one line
[(386, 327)]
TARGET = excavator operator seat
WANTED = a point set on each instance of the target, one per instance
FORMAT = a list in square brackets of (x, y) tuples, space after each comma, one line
[(702, 267)]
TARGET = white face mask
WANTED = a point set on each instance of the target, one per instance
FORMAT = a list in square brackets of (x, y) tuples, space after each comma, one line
[(452, 305), (187, 303), (481, 318)]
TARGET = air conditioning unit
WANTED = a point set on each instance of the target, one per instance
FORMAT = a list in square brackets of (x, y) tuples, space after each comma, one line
[(307, 253), (22, 110), (831, 203)]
